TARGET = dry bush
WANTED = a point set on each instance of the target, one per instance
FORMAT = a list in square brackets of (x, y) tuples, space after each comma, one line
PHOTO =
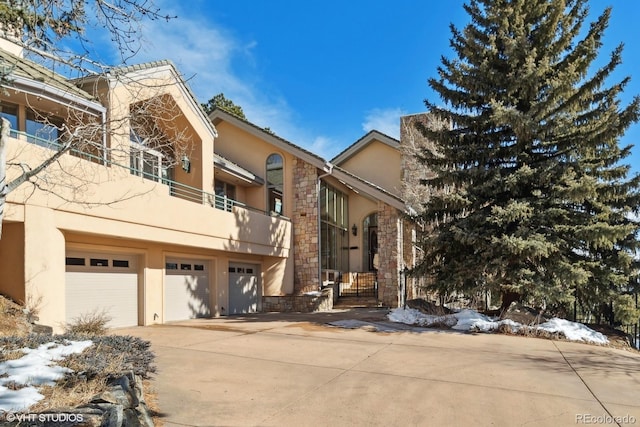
[(13, 320), (68, 395), (93, 323), (428, 307), (111, 356)]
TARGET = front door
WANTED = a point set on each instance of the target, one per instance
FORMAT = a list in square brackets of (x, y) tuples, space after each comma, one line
[(373, 248)]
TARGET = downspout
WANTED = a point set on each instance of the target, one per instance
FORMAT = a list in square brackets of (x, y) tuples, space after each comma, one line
[(105, 155), (328, 169)]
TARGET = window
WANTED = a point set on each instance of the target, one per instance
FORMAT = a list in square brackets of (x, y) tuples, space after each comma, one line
[(147, 162), (225, 195), (74, 261), (99, 262), (10, 112), (275, 183), (123, 263), (334, 236), (43, 129)]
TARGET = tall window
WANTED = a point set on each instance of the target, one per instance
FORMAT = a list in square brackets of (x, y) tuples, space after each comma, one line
[(334, 236), (275, 183), (147, 162)]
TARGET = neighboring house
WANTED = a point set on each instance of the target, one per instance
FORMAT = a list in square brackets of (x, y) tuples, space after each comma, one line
[(207, 219)]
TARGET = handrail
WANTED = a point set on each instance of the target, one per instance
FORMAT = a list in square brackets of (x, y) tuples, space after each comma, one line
[(176, 189)]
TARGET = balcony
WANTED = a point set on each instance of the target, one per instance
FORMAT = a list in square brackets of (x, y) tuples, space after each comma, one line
[(174, 188)]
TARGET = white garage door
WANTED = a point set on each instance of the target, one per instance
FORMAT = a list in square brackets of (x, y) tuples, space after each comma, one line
[(244, 288), (102, 283), (186, 289)]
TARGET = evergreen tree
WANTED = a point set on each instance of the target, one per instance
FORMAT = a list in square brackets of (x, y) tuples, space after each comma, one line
[(531, 199), (222, 102)]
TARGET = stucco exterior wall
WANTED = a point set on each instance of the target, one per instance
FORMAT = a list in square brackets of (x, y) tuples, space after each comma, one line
[(377, 163), (251, 153), (116, 211), (12, 261)]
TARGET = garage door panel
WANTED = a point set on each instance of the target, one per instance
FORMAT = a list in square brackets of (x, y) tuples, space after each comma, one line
[(244, 288), (115, 294), (187, 297), (186, 289)]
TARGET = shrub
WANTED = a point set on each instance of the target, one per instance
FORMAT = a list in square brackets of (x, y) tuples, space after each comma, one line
[(93, 323), (624, 310)]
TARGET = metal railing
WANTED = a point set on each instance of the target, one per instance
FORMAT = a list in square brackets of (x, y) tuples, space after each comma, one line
[(175, 188), (363, 284)]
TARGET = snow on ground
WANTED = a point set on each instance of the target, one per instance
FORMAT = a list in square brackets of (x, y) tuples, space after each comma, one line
[(314, 294), (37, 367), (471, 320)]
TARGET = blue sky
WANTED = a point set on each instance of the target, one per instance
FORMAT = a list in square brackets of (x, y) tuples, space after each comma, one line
[(323, 73)]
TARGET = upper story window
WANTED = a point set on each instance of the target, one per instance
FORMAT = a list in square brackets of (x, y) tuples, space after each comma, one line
[(43, 129), (10, 112), (147, 162), (275, 183), (225, 195)]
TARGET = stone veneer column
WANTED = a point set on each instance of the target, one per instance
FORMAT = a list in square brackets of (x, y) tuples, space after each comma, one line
[(388, 245), (305, 227)]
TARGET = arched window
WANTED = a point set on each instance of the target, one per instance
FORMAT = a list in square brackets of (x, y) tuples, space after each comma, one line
[(275, 183)]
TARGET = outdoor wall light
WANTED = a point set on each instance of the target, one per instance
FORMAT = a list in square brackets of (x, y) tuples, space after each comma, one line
[(354, 230), (186, 163)]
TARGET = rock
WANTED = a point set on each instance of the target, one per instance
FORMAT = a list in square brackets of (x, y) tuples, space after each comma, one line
[(42, 329)]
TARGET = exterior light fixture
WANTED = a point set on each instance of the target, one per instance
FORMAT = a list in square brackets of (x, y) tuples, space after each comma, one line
[(354, 230), (186, 163)]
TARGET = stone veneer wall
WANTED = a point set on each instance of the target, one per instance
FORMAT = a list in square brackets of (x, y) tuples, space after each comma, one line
[(409, 255), (319, 301), (305, 227), (388, 248)]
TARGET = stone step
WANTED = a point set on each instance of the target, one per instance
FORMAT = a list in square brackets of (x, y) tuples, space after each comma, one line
[(356, 302)]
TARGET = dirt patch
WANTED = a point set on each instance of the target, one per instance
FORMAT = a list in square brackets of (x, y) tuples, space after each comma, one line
[(617, 338), (312, 327)]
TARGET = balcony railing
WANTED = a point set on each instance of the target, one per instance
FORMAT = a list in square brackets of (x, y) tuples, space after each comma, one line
[(175, 188)]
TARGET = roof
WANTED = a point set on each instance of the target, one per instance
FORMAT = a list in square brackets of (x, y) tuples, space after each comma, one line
[(236, 170), (29, 76), (361, 185), (219, 114), (155, 66), (360, 144), (384, 195)]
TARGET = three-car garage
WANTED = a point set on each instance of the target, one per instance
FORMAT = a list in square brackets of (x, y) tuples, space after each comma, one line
[(112, 284)]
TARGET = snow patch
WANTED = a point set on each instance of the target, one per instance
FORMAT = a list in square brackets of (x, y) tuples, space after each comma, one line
[(471, 320), (37, 367), (313, 293)]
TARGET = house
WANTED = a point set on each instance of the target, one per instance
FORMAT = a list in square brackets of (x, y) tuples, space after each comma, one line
[(159, 213)]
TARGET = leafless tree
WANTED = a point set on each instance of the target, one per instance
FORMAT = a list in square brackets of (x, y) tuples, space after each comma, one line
[(40, 27)]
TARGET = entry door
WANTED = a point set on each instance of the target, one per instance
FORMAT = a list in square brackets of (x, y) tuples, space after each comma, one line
[(373, 248), (244, 288)]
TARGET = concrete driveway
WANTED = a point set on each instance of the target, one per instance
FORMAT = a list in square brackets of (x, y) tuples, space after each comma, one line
[(294, 370)]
